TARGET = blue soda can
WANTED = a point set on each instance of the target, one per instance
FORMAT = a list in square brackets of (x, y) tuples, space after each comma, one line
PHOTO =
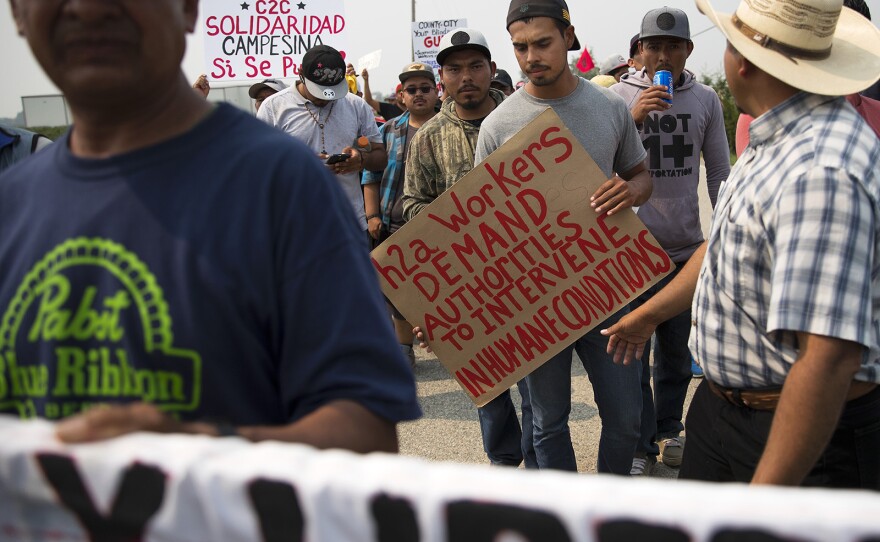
[(664, 77)]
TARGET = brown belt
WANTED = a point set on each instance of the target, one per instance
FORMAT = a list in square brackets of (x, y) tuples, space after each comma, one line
[(768, 398)]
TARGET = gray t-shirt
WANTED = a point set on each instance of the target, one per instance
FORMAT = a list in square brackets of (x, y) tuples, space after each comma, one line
[(597, 117), (349, 119)]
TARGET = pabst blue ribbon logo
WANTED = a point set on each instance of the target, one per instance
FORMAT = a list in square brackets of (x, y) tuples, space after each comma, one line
[(89, 324)]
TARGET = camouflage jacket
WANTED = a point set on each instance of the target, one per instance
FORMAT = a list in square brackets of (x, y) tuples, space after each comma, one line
[(441, 153)]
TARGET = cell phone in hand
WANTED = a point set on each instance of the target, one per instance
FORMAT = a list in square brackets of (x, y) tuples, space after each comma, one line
[(336, 158)]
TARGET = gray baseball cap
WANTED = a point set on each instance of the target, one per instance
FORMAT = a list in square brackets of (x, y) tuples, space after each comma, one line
[(665, 22), (273, 84), (612, 63)]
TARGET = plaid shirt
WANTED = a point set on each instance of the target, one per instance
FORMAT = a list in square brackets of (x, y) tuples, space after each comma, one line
[(393, 133), (795, 246)]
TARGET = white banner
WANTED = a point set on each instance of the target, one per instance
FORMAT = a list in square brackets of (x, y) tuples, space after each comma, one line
[(427, 36), (180, 488), (259, 39)]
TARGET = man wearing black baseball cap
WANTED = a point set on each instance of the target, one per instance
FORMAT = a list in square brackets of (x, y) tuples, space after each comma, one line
[(542, 35), (635, 57), (553, 9), (321, 112), (447, 140), (502, 82), (442, 153)]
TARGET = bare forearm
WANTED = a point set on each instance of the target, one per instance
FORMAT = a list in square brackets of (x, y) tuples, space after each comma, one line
[(368, 97), (376, 159), (339, 424), (812, 399), (640, 183), (643, 186), (371, 199)]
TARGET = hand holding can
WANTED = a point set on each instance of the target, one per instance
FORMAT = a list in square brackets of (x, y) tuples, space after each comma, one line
[(664, 77)]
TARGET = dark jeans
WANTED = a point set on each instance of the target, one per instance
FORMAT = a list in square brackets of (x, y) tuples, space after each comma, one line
[(663, 410), (725, 443), (504, 442), (617, 395)]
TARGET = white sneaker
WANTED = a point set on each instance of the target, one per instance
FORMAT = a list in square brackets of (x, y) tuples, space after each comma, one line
[(642, 466)]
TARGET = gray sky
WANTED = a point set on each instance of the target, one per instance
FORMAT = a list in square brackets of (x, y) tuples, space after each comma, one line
[(603, 25)]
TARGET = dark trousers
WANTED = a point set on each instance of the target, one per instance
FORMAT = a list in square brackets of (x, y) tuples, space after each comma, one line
[(725, 443), (504, 442), (662, 410)]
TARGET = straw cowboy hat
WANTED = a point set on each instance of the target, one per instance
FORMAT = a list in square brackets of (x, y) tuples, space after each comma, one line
[(813, 45)]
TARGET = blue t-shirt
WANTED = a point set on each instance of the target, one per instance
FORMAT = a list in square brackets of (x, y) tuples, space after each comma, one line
[(219, 274)]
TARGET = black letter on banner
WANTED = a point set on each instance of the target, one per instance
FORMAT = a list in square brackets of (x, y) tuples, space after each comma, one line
[(277, 507), (395, 519), (471, 521), (746, 535), (137, 500), (624, 531)]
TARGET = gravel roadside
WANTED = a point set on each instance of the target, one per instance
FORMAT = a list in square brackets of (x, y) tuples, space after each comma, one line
[(450, 431)]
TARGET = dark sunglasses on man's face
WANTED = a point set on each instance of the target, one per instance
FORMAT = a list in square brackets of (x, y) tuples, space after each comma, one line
[(412, 90)]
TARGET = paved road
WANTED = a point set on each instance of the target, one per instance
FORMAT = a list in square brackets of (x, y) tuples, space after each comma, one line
[(450, 431)]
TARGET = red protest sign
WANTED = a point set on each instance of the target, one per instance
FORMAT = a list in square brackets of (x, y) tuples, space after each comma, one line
[(511, 265)]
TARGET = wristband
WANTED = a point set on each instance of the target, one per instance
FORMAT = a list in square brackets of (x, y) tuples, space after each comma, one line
[(372, 216)]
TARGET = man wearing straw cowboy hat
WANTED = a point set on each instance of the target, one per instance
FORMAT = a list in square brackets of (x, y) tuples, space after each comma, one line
[(786, 307)]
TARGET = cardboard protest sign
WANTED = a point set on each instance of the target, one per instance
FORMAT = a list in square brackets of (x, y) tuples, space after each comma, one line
[(258, 39), (511, 265), (427, 36)]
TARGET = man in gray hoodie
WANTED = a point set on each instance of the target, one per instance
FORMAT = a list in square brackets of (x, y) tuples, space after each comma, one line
[(675, 135)]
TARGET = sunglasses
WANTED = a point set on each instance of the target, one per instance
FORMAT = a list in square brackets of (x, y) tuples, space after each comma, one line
[(424, 89)]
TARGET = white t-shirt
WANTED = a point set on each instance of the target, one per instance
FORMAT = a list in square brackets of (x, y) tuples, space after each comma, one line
[(349, 118)]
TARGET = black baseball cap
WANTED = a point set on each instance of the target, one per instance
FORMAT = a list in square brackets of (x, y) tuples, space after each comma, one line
[(323, 71), (555, 9), (634, 46), (502, 78)]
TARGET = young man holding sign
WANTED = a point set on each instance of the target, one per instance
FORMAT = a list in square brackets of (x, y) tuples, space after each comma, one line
[(542, 35)]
